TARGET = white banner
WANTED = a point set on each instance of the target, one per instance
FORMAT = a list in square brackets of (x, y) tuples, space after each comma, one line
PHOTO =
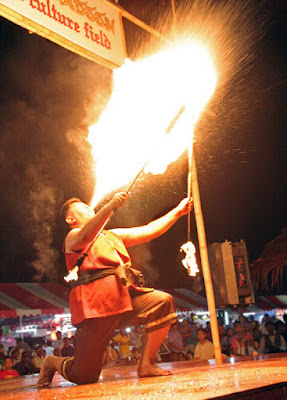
[(91, 28)]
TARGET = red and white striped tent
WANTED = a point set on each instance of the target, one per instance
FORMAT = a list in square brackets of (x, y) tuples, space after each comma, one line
[(32, 299), (36, 299), (186, 299)]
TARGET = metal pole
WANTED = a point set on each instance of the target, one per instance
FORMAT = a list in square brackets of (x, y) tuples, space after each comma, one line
[(205, 264)]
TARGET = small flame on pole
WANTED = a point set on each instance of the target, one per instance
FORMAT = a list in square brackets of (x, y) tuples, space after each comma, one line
[(189, 262)]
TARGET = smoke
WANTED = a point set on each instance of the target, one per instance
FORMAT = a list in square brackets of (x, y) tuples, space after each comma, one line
[(48, 98), (43, 221)]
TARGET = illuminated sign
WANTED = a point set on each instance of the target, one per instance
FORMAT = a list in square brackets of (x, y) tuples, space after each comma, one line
[(90, 28)]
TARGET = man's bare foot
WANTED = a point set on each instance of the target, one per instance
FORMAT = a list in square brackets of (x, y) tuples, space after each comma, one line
[(152, 370), (47, 372)]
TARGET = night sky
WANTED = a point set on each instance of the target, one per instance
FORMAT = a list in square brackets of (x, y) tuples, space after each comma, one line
[(49, 96)]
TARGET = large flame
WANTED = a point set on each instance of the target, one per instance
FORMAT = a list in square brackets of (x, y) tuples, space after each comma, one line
[(146, 96)]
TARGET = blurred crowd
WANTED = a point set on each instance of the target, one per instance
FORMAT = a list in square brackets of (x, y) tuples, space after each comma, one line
[(186, 341), (190, 341), (25, 359)]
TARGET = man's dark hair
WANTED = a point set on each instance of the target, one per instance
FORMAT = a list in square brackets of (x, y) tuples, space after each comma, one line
[(65, 207)]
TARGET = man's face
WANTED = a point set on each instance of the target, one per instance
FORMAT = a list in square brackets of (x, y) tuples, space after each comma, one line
[(201, 335), (15, 354), (230, 332), (39, 351), (238, 328), (25, 356), (81, 212), (8, 363)]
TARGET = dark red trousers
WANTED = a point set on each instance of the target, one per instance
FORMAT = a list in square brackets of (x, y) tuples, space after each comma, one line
[(154, 310)]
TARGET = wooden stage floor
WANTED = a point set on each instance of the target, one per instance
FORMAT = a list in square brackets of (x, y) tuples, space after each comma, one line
[(241, 378)]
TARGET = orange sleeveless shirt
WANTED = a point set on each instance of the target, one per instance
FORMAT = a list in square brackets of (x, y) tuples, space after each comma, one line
[(105, 296)]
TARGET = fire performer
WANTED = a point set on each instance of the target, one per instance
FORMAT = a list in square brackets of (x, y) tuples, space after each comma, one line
[(99, 302)]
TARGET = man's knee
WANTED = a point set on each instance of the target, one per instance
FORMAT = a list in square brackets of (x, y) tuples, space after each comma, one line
[(165, 298), (82, 372)]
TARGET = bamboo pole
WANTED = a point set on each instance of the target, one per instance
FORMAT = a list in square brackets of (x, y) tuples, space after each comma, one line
[(205, 264)]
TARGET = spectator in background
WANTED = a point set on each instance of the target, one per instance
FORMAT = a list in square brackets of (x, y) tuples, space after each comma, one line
[(256, 331), (114, 352), (49, 348), (3, 350), (136, 356), (173, 356), (58, 343), (57, 352), (238, 344), (25, 366), (111, 353), (8, 371), (123, 340), (272, 342), (175, 340), (256, 348), (266, 319), (15, 357), (19, 346), (187, 336), (226, 341), (204, 348), (281, 329), (138, 338), (67, 350), (221, 329), (39, 358)]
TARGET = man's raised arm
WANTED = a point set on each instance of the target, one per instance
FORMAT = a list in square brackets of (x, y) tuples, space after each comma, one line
[(146, 233), (80, 236)]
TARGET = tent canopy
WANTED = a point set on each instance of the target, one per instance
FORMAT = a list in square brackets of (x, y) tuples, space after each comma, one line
[(19, 299), (186, 299), (36, 299)]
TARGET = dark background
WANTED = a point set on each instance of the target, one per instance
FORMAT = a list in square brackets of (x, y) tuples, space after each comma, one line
[(50, 96)]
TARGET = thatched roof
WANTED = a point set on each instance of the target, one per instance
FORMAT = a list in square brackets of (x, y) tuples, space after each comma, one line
[(269, 270)]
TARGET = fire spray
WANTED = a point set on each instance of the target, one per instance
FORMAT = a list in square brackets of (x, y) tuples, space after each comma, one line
[(73, 273)]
